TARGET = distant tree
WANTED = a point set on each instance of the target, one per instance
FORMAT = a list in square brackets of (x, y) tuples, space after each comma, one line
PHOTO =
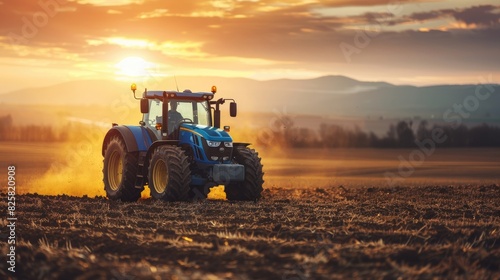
[(391, 134), (485, 136), (358, 138), (5, 127), (302, 138), (373, 140), (405, 135), (422, 131), (459, 136), (277, 134)]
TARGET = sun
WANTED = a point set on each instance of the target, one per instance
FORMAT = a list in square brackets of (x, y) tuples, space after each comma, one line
[(134, 66)]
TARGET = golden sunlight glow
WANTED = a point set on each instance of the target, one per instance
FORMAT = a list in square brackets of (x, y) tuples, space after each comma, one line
[(185, 49), (129, 43), (134, 67), (154, 14), (182, 49), (110, 3)]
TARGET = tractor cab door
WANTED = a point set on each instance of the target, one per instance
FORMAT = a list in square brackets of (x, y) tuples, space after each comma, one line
[(153, 119)]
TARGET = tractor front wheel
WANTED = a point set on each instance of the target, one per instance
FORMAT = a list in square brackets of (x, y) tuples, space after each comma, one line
[(120, 171), (169, 174), (251, 188)]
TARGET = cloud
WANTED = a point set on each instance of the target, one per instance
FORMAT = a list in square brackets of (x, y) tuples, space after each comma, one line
[(110, 2), (251, 35), (480, 15), (485, 16), (430, 15), (154, 14)]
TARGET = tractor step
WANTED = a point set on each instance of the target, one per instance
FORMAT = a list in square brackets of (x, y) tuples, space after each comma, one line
[(142, 159), (140, 180)]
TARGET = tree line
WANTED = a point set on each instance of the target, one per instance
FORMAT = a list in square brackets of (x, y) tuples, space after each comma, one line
[(286, 135), (38, 133), (400, 135)]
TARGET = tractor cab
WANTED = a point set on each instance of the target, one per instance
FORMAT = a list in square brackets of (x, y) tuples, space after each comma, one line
[(164, 112), (180, 111)]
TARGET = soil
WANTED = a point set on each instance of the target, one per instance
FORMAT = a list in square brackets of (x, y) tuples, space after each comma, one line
[(335, 232)]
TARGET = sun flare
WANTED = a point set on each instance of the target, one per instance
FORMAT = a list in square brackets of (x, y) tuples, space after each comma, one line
[(133, 66)]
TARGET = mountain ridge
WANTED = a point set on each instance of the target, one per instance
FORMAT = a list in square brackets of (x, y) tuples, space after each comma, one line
[(328, 95)]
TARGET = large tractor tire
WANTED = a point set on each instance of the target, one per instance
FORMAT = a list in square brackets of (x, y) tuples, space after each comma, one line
[(251, 188), (169, 174), (120, 172)]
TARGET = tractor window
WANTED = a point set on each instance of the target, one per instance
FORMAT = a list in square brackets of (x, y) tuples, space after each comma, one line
[(155, 112), (194, 111), (203, 113), (186, 109), (198, 112), (154, 116)]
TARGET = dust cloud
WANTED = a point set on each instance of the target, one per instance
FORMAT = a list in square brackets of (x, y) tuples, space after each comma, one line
[(77, 170)]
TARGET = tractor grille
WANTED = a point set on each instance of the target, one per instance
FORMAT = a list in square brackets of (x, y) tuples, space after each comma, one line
[(220, 154)]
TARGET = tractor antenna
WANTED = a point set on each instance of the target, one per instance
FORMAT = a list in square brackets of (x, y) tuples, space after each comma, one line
[(175, 78)]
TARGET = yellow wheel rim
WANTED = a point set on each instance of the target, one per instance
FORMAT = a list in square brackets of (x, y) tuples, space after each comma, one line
[(115, 170), (160, 176)]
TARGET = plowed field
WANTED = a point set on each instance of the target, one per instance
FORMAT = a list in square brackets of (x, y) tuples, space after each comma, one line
[(309, 233)]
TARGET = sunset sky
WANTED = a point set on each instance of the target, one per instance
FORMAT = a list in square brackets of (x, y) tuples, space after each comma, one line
[(407, 42)]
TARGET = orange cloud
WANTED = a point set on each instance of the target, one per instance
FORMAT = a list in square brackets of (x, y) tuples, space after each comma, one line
[(251, 37)]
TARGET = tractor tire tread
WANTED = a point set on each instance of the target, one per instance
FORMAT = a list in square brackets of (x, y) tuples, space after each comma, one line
[(251, 188), (179, 174), (127, 192)]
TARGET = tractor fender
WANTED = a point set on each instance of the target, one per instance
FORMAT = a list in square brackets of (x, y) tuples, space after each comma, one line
[(136, 138), (240, 144)]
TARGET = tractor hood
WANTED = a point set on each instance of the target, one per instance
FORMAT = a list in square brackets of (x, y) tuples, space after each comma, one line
[(208, 132)]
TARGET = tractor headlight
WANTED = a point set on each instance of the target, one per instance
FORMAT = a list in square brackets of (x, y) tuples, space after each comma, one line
[(213, 144), (228, 144)]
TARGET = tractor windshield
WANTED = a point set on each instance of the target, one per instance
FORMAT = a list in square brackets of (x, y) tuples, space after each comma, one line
[(179, 111), (197, 112)]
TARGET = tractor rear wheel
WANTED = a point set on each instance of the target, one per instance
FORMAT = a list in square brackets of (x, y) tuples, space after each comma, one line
[(251, 188), (169, 174), (120, 171)]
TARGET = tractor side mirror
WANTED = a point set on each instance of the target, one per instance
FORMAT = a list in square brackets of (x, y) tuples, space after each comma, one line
[(144, 105), (233, 109)]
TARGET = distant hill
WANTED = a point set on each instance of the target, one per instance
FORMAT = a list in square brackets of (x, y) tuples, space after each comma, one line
[(86, 92), (336, 96)]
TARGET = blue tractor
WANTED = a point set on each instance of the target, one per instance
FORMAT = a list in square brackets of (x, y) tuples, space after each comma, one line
[(179, 151)]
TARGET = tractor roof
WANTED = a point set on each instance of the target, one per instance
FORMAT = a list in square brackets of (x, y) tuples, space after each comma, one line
[(186, 95)]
